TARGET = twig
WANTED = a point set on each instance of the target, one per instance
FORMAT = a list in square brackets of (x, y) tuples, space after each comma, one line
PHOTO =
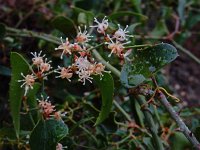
[(86, 130), (174, 115), (186, 52), (122, 111), (108, 66), (189, 135)]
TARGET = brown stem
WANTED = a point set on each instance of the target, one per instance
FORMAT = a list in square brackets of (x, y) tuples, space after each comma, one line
[(183, 128), (174, 115)]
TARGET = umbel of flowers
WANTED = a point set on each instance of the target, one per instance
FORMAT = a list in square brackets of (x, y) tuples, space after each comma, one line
[(83, 64)]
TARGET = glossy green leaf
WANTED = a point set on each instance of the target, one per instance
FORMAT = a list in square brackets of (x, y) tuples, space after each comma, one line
[(19, 65), (2, 30), (119, 14), (106, 85), (65, 25), (145, 62), (47, 134), (83, 16)]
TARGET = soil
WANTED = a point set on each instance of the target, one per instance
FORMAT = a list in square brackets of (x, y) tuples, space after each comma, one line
[(185, 73)]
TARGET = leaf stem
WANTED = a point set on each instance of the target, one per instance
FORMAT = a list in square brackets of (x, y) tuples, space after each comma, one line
[(138, 46), (108, 66), (32, 120), (83, 128), (122, 110), (95, 47)]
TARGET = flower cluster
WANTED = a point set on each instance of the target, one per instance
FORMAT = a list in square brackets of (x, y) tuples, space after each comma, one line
[(41, 62), (43, 67), (60, 147), (116, 41), (48, 110), (83, 64), (28, 82)]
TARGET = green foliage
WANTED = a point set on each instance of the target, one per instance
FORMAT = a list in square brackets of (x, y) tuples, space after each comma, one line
[(145, 62), (119, 14), (65, 25), (179, 141), (8, 133), (47, 134), (31, 96), (149, 22), (181, 10), (160, 29), (19, 65), (106, 85), (137, 5), (83, 16)]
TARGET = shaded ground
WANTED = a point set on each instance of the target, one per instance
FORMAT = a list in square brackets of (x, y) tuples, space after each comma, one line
[(185, 73)]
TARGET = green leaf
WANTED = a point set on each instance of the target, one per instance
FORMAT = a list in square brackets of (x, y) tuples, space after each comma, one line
[(31, 96), (179, 141), (192, 20), (139, 113), (132, 27), (2, 30), (83, 16), (106, 85), (144, 63), (47, 134), (19, 65), (137, 5), (181, 10), (160, 29), (109, 124), (65, 25), (32, 100), (5, 71), (119, 14)]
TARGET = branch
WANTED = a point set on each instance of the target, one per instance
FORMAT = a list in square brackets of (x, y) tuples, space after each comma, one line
[(189, 135), (186, 52), (108, 66)]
